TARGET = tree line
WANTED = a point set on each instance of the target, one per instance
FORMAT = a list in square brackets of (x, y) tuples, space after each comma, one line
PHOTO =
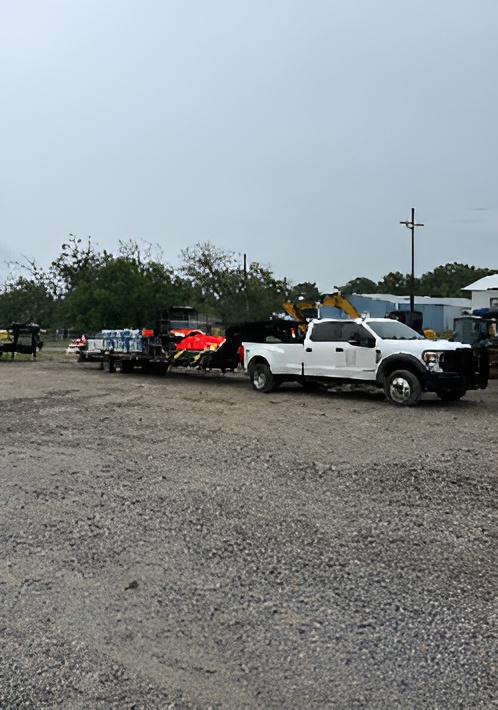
[(86, 289)]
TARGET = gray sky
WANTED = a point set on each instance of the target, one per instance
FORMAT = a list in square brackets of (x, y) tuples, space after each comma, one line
[(299, 132)]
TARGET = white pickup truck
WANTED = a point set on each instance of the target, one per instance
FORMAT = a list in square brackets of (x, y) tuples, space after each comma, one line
[(375, 351)]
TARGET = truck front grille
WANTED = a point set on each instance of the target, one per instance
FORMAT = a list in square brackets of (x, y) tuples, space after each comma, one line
[(459, 360)]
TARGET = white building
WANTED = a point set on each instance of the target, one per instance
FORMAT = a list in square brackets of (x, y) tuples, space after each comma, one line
[(438, 313), (484, 292)]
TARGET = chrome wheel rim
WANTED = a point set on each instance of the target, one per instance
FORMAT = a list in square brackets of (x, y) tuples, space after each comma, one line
[(259, 380), (400, 390)]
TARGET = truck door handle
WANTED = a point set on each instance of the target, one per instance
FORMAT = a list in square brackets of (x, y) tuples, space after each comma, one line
[(309, 350), (339, 350)]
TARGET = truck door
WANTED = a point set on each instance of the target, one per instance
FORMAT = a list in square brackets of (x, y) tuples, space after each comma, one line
[(340, 349), (359, 352), (324, 350)]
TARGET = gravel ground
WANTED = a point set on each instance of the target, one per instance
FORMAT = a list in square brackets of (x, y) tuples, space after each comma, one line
[(184, 542)]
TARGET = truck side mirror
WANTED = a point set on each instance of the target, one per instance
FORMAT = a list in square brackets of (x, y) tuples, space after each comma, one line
[(366, 342)]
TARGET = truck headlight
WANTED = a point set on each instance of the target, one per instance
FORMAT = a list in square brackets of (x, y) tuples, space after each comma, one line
[(433, 360)]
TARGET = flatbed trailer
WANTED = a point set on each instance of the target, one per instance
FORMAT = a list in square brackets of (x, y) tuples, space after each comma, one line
[(124, 350)]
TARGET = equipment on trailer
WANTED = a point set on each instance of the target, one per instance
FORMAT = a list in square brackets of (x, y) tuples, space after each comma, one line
[(76, 345), (122, 350)]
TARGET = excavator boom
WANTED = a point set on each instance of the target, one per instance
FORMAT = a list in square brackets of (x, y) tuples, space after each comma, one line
[(337, 300), (302, 311)]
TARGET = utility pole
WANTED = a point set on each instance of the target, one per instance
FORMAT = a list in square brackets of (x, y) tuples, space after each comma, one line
[(245, 284), (411, 225)]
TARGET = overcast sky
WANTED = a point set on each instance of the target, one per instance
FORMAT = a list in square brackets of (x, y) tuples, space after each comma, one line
[(299, 132)]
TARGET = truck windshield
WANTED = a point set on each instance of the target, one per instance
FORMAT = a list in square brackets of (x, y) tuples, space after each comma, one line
[(394, 330)]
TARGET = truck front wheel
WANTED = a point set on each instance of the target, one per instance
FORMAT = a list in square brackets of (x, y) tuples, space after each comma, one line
[(261, 377), (402, 388)]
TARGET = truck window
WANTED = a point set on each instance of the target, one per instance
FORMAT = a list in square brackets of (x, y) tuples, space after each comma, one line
[(326, 332), (354, 330), (388, 329)]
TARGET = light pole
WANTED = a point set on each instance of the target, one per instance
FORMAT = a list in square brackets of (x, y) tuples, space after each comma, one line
[(411, 225)]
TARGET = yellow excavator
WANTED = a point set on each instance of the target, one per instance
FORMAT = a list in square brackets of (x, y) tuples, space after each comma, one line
[(303, 310)]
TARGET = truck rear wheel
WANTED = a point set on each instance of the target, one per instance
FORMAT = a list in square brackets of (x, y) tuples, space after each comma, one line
[(262, 378), (402, 388)]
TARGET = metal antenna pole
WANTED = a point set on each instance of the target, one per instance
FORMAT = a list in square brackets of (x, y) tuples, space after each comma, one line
[(411, 225)]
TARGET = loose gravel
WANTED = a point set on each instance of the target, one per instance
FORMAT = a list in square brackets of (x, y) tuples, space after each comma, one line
[(185, 542)]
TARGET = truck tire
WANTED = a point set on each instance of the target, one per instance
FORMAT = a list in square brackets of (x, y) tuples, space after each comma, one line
[(402, 388), (262, 379)]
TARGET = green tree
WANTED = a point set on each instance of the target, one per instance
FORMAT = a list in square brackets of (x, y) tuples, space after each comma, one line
[(359, 285), (84, 289), (224, 287), (25, 301), (396, 283), (307, 291), (126, 290), (75, 264), (448, 280)]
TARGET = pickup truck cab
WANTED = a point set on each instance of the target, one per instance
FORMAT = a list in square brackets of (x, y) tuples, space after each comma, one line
[(377, 351)]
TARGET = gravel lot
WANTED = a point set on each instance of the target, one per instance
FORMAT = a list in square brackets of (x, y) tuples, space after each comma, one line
[(185, 542)]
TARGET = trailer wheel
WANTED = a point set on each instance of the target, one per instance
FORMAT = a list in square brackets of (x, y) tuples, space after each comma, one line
[(108, 364), (262, 378), (121, 366), (402, 388)]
